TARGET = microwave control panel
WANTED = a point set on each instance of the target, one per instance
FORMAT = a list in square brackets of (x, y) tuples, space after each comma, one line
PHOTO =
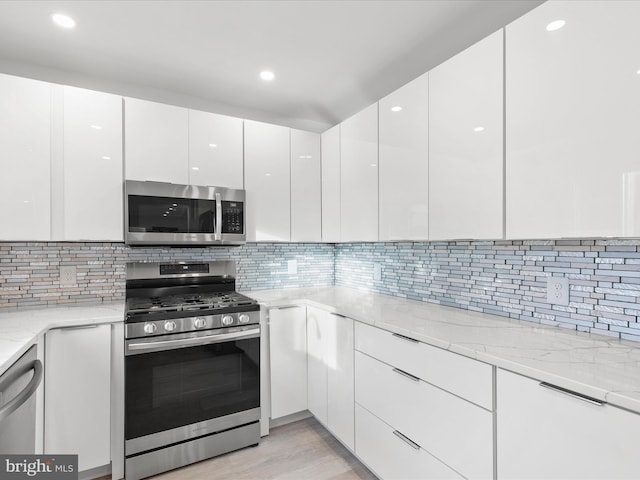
[(232, 217)]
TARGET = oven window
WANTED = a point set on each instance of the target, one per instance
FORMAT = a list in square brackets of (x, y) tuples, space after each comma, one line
[(171, 215), (179, 387)]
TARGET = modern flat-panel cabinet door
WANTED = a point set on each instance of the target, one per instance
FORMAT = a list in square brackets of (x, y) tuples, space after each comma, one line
[(330, 367), (288, 357), (92, 165), (572, 109), (466, 144), (25, 136), (545, 433), (404, 162), (340, 379), (77, 383), (317, 346), (306, 201), (267, 181), (330, 143), (215, 150), (156, 142), (359, 176)]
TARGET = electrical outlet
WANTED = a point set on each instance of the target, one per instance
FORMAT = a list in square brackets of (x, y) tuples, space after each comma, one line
[(558, 290), (292, 267), (68, 275), (377, 271)]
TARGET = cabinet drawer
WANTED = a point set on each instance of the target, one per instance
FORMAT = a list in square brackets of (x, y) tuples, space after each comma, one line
[(550, 433), (389, 456), (454, 430), (462, 376)]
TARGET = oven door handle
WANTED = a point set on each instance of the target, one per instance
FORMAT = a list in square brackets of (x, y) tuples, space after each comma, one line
[(135, 348)]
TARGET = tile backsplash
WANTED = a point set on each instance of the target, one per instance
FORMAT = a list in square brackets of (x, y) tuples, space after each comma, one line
[(507, 278), (29, 271)]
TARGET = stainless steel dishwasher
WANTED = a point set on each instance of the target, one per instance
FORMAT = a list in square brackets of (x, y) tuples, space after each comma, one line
[(18, 404)]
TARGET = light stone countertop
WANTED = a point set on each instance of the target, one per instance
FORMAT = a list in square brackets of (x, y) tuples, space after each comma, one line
[(22, 327), (599, 367)]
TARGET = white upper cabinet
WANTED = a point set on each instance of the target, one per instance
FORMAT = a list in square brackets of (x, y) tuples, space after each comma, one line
[(267, 182), (330, 144), (404, 166), (25, 136), (305, 187), (466, 144), (359, 176), (156, 142), (215, 150), (572, 103), (92, 165)]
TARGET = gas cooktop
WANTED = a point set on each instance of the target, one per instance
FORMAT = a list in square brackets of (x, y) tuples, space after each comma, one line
[(161, 291), (175, 303)]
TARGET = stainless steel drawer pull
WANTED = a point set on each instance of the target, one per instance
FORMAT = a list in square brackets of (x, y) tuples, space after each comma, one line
[(579, 396), (406, 440), (403, 337), (405, 374)]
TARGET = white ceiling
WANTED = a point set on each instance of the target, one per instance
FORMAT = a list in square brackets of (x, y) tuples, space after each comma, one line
[(331, 58)]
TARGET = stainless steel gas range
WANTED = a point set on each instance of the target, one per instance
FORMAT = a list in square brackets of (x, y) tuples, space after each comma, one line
[(192, 365)]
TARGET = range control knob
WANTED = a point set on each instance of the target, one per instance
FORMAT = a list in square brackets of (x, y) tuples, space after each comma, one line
[(170, 326), (227, 320), (200, 322), (150, 328), (244, 318)]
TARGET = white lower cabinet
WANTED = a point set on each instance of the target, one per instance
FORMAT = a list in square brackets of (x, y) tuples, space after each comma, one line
[(330, 370), (455, 431), (545, 433), (392, 455), (441, 401), (316, 364), (288, 356), (77, 418)]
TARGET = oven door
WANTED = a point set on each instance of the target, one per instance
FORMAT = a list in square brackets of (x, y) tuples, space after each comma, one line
[(178, 387)]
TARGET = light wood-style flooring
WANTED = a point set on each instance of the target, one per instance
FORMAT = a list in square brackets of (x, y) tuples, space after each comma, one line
[(303, 450)]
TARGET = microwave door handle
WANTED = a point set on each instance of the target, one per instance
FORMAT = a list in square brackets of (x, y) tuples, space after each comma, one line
[(218, 226)]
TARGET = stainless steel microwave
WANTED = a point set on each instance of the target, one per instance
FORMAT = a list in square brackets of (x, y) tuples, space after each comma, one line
[(159, 213)]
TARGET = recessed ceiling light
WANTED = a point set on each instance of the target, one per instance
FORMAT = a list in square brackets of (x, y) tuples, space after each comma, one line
[(478, 129), (63, 20), (555, 25), (267, 75), (396, 109)]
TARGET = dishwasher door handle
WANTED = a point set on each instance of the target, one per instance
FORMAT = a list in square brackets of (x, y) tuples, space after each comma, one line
[(17, 401)]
